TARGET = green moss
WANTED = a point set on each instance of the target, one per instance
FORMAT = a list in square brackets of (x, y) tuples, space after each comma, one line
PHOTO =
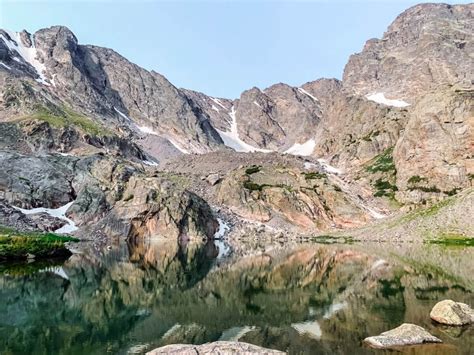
[(337, 188), (64, 117), (16, 245), (253, 169), (383, 162)]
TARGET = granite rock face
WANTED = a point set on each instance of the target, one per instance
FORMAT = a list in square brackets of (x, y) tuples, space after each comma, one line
[(427, 46), (435, 150), (108, 194), (307, 199)]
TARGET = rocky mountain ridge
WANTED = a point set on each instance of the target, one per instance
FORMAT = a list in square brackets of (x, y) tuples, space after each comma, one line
[(399, 126)]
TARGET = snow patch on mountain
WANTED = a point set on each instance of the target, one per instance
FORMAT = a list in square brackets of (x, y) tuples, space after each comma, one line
[(57, 213), (6, 66), (328, 168), (217, 101), (148, 130), (302, 149), (232, 140), (303, 91), (30, 55), (122, 114), (381, 99), (177, 146)]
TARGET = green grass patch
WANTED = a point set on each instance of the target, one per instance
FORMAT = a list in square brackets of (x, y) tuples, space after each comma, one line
[(16, 245), (253, 169), (64, 117), (383, 162), (452, 240)]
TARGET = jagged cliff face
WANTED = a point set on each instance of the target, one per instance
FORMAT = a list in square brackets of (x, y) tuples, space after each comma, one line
[(428, 46)]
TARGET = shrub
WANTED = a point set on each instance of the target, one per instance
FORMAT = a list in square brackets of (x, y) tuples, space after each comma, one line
[(253, 169), (314, 175), (16, 245), (416, 179), (383, 162)]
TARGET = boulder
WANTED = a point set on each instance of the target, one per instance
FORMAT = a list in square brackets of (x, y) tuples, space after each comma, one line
[(406, 334), (213, 179), (452, 313), (217, 347)]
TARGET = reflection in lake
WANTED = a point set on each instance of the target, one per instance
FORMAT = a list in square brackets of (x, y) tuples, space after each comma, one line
[(312, 299)]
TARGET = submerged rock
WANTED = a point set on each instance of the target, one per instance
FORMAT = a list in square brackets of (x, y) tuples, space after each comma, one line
[(217, 347), (406, 334), (452, 313)]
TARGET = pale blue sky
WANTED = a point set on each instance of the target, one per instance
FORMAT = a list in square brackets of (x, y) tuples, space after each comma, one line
[(219, 47)]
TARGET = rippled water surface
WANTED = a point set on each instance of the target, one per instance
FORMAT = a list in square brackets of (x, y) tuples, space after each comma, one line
[(313, 299)]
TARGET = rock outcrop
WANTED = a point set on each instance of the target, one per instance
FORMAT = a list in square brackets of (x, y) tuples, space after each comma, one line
[(217, 347), (452, 313), (428, 46), (434, 153), (275, 194), (109, 195), (406, 334)]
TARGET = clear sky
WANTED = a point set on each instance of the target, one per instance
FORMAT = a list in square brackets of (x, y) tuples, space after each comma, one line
[(219, 47)]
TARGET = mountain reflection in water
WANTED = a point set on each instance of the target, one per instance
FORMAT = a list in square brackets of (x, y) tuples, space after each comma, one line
[(141, 295)]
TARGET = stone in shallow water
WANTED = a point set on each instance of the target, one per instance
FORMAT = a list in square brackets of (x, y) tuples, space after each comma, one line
[(217, 347), (406, 334), (452, 313)]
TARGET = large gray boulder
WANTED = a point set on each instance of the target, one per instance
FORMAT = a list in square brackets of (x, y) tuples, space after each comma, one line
[(217, 347), (406, 334), (452, 313)]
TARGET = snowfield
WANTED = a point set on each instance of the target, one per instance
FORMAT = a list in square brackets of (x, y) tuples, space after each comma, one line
[(304, 149), (55, 212), (29, 55), (381, 99), (232, 140)]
